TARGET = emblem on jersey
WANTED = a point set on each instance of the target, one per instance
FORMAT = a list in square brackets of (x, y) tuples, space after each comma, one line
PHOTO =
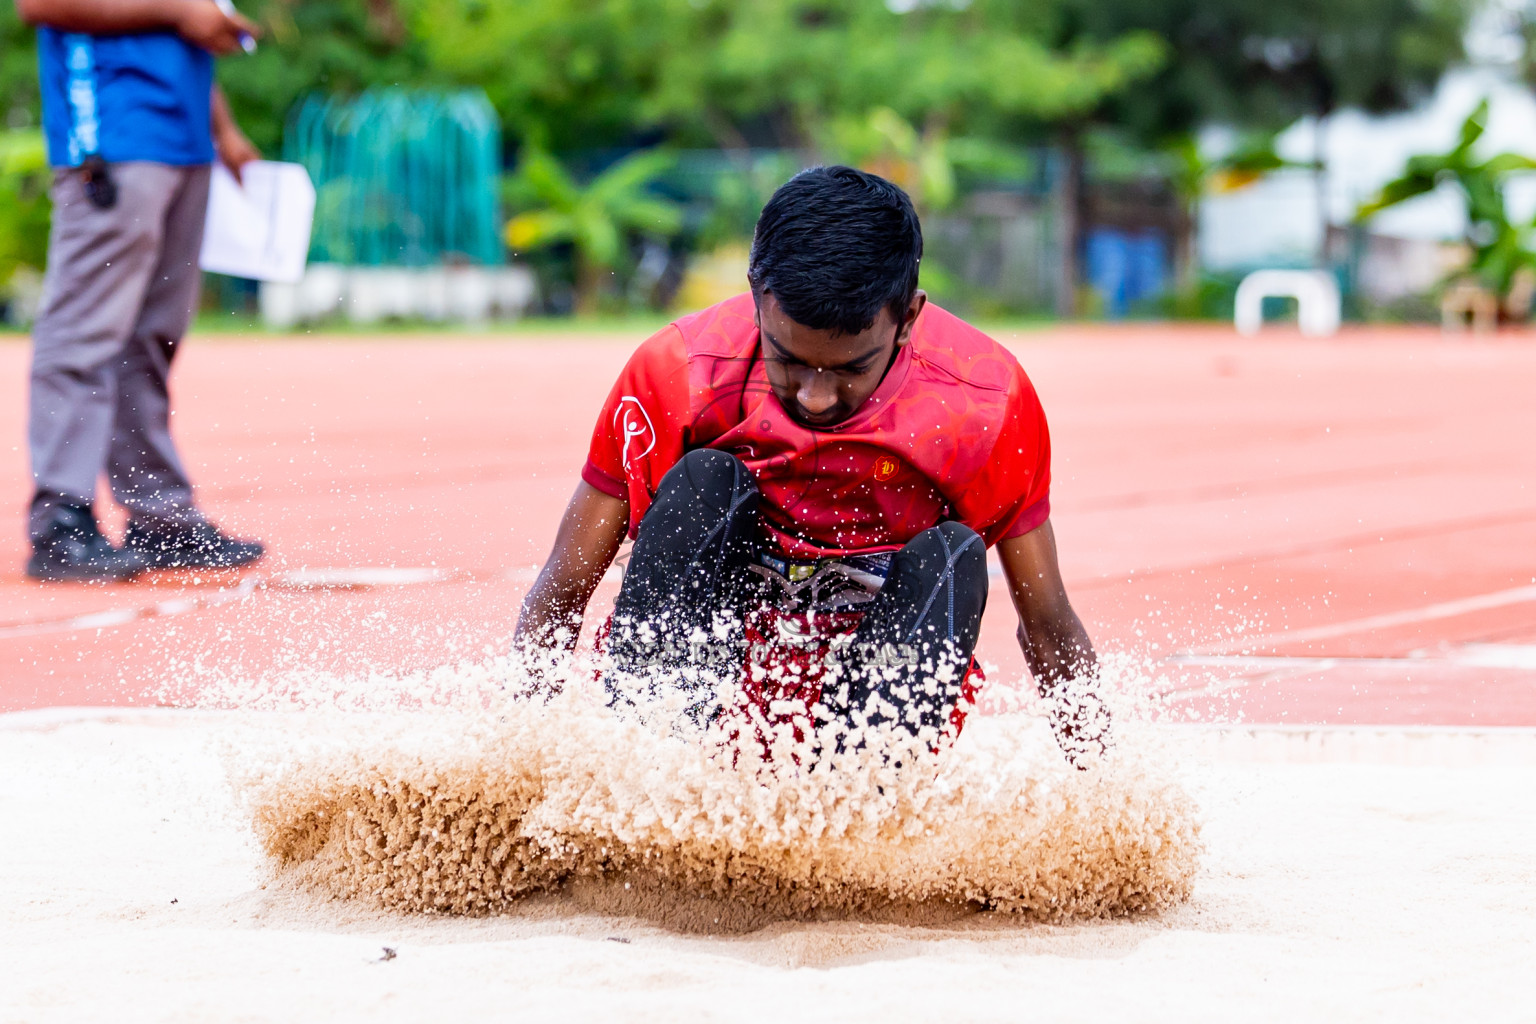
[(885, 468), (633, 424)]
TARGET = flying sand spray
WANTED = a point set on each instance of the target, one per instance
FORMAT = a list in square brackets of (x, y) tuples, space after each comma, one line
[(455, 792)]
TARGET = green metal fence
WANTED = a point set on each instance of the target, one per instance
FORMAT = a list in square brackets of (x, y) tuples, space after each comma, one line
[(403, 177)]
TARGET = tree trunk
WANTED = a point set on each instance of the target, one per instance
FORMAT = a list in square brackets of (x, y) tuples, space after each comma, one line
[(589, 283), (1320, 182), (728, 137), (1186, 251), (1069, 210)]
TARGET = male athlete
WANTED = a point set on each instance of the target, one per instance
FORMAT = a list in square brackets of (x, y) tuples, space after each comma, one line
[(811, 474)]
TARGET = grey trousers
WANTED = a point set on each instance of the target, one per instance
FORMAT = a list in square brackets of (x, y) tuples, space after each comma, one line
[(118, 295)]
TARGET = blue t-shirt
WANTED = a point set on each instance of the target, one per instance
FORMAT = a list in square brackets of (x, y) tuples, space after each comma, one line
[(152, 97)]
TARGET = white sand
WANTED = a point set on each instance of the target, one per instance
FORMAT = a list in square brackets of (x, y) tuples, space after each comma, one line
[(1399, 887)]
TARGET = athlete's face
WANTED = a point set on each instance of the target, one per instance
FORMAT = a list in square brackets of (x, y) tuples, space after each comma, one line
[(822, 377)]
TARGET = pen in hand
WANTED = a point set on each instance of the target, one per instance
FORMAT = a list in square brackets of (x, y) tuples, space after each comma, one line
[(247, 41)]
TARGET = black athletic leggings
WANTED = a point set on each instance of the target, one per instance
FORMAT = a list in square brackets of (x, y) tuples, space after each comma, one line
[(687, 586)]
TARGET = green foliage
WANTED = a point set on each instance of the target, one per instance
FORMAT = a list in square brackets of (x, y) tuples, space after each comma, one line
[(583, 73), (936, 93), (927, 163), (1262, 63), (566, 74), (18, 71), (596, 219), (580, 74), (1500, 248), (735, 189), (1192, 173), (1207, 296), (335, 46), (24, 206)]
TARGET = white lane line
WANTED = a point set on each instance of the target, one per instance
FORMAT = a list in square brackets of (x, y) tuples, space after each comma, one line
[(1256, 663), (1499, 655), (1443, 610), (122, 616), (1253, 670), (365, 576), (341, 578), (1517, 656), (106, 620)]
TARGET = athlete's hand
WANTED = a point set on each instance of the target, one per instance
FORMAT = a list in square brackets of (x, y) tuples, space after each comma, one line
[(202, 23), (1081, 723), (1056, 646)]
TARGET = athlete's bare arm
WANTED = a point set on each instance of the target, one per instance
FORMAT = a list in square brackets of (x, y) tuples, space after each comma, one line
[(1056, 645), (590, 533), (199, 22)]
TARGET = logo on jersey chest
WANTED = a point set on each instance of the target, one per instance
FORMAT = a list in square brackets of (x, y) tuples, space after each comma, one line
[(885, 468)]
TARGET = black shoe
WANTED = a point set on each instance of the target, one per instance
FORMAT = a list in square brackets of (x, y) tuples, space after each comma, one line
[(169, 545), (74, 549)]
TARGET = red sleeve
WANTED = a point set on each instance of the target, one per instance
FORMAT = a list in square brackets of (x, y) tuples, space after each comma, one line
[(1012, 494), (642, 429)]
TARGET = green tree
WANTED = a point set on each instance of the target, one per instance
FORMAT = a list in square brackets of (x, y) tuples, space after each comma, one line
[(342, 46), (24, 206), (567, 74), (18, 71), (596, 219), (1500, 248), (1193, 173), (979, 68), (578, 74), (927, 162), (584, 73), (1264, 63)]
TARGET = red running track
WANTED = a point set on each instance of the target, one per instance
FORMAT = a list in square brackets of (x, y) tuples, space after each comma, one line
[(1281, 529)]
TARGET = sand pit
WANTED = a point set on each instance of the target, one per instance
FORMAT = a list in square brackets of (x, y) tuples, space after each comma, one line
[(1345, 875), (471, 815)]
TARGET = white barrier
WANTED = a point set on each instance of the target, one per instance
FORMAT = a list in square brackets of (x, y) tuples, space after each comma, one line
[(366, 295), (1315, 291)]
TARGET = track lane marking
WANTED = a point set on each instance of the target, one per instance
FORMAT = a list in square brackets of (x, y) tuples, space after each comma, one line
[(1390, 535), (342, 578), (1511, 656), (1428, 613), (114, 617), (296, 581)]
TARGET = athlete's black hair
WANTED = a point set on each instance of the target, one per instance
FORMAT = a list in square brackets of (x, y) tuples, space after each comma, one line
[(835, 246)]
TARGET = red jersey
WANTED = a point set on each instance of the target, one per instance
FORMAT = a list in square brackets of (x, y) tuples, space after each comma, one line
[(954, 431)]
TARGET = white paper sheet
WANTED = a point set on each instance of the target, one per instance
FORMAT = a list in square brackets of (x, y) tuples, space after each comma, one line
[(259, 229)]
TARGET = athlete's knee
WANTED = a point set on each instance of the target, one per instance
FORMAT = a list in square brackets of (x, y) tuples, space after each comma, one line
[(951, 550), (717, 479), (711, 464), (956, 535)]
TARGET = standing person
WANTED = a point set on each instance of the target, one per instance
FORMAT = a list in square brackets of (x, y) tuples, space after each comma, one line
[(133, 121), (812, 473)]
